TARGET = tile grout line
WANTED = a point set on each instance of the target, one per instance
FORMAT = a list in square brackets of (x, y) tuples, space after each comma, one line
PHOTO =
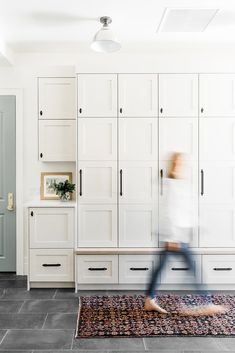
[(73, 336), (55, 294), (3, 293), (44, 321), (144, 343), (21, 307), (3, 337)]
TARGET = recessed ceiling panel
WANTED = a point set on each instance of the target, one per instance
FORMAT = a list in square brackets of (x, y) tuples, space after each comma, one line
[(186, 20)]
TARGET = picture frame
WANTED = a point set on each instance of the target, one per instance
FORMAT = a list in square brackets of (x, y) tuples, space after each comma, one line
[(47, 179)]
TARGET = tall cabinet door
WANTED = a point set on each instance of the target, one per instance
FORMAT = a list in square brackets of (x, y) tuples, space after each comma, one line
[(97, 95), (217, 95), (138, 95), (178, 95), (217, 182)]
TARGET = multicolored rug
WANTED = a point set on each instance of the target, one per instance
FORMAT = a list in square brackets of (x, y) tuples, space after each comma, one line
[(124, 316)]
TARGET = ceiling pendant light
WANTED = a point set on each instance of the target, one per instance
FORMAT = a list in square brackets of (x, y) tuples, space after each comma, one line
[(105, 40)]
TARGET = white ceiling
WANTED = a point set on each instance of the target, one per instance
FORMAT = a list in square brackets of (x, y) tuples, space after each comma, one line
[(69, 25)]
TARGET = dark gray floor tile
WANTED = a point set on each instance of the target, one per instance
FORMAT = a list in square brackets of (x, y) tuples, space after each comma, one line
[(13, 351), (11, 276), (131, 344), (21, 321), (227, 344), (74, 351), (18, 283), (50, 306), (183, 343), (23, 293), (64, 293), (61, 321), (37, 339), (144, 351), (206, 351), (1, 292), (10, 306)]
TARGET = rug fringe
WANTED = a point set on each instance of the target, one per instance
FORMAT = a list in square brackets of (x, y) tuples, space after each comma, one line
[(79, 315)]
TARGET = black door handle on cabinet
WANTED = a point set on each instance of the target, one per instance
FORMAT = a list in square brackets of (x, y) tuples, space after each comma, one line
[(40, 112), (51, 265), (80, 173), (161, 110), (80, 110), (202, 182), (139, 268), (41, 155), (222, 268), (97, 268), (31, 213), (202, 110), (161, 182), (180, 268), (120, 110), (121, 193)]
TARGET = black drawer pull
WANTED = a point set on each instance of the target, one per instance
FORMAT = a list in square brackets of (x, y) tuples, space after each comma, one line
[(161, 110), (31, 213), (80, 110), (222, 268), (97, 268), (139, 268), (51, 265), (121, 110), (41, 155), (41, 112), (180, 268)]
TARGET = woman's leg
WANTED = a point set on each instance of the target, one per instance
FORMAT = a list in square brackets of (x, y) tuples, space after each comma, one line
[(155, 275)]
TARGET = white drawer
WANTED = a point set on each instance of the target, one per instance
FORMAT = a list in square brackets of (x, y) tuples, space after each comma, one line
[(176, 270), (51, 227), (54, 265), (136, 268), (218, 269), (97, 268)]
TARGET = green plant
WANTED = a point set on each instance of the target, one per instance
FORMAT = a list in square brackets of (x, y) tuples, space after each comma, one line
[(64, 188)]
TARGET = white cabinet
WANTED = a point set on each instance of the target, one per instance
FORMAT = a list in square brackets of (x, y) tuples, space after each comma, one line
[(138, 139), (97, 139), (51, 227), (57, 140), (138, 95), (97, 182), (97, 95), (57, 98), (217, 95), (97, 269), (136, 268), (178, 95), (97, 225), (218, 269)]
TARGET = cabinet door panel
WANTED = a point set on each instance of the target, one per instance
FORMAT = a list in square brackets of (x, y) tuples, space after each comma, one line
[(138, 139), (136, 268), (138, 95), (97, 226), (217, 139), (138, 226), (217, 95), (57, 98), (97, 95), (178, 95), (98, 182), (97, 139), (218, 269), (138, 182), (51, 227), (57, 140), (178, 135)]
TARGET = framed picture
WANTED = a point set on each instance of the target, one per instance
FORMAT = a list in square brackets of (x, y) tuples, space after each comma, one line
[(48, 179)]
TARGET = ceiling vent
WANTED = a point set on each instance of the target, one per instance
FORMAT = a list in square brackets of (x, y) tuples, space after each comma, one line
[(186, 20)]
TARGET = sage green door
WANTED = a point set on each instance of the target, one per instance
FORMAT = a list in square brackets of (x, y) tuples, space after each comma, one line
[(7, 183)]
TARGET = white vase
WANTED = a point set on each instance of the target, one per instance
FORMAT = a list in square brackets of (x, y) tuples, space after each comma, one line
[(65, 197)]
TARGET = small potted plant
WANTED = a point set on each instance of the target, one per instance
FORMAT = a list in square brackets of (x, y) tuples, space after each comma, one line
[(64, 190)]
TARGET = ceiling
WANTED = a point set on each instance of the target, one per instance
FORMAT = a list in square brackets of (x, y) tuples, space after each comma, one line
[(69, 25)]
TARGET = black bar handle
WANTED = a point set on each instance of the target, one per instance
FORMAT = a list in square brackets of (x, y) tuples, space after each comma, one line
[(202, 110), (180, 268), (139, 268), (121, 110), (41, 112), (80, 174), (97, 268), (161, 110), (161, 185), (80, 110), (121, 172), (31, 213), (222, 268), (202, 182), (51, 265), (41, 155)]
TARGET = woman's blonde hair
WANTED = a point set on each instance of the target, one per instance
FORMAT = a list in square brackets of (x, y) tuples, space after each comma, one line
[(173, 165)]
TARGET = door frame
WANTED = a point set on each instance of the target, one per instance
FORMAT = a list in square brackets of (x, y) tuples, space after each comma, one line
[(18, 93)]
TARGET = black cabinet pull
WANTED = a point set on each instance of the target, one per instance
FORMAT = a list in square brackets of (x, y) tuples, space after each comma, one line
[(80, 110), (51, 265), (180, 268), (97, 268), (161, 182), (121, 110), (202, 182), (31, 213), (222, 268), (41, 155), (41, 112), (121, 193), (161, 110), (80, 173), (139, 268), (202, 110)]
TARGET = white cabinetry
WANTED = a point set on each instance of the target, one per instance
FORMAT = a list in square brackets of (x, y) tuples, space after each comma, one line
[(51, 246), (178, 95), (218, 269)]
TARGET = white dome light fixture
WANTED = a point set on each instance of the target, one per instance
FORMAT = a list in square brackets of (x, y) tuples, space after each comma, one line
[(105, 40)]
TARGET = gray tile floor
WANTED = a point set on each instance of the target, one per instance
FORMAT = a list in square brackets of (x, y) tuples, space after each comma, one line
[(44, 320)]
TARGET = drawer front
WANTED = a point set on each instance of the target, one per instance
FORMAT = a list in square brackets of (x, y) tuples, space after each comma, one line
[(176, 271), (136, 268), (51, 227), (54, 265), (97, 269), (218, 269)]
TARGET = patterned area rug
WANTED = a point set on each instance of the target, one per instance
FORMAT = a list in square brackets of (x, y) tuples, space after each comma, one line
[(124, 316)]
